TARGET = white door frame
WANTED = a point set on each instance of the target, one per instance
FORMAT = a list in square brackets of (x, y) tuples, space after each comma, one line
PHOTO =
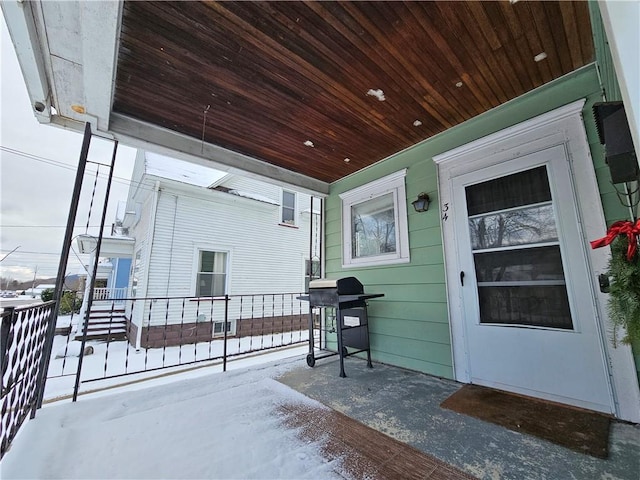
[(563, 126)]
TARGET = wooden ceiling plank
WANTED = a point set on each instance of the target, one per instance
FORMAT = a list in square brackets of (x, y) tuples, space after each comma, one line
[(571, 33), (444, 54), (393, 54), (352, 101), (519, 34), (554, 19), (528, 25), (440, 66), (477, 45), (583, 22), (461, 42), (345, 24), (522, 43), (358, 72), (284, 103), (481, 18), (227, 137), (540, 20), (509, 49), (342, 22)]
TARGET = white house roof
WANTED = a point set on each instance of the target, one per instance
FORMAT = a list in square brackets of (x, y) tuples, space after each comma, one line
[(181, 171)]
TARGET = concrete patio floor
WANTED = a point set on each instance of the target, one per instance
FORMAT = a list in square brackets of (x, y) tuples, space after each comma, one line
[(406, 406)]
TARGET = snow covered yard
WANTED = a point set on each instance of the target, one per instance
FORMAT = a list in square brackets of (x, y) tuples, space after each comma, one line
[(120, 360), (204, 425)]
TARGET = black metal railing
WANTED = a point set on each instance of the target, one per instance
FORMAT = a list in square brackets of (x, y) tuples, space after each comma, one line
[(147, 334), (23, 336)]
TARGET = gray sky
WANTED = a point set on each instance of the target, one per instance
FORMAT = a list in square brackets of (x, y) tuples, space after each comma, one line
[(37, 172)]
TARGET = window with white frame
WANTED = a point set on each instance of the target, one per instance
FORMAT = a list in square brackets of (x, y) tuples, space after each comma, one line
[(211, 279), (288, 208), (374, 227)]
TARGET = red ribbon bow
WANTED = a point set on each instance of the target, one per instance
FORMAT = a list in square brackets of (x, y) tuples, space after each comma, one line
[(622, 227)]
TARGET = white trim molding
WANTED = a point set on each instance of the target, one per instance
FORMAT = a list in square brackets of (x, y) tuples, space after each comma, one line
[(391, 184)]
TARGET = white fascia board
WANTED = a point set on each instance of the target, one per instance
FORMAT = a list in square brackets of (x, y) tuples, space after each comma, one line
[(21, 23), (138, 134)]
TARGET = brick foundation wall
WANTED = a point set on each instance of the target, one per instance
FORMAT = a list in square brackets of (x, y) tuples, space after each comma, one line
[(264, 326), (158, 336)]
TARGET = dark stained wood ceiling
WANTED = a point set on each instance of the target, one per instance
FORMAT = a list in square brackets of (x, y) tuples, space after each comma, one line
[(263, 78)]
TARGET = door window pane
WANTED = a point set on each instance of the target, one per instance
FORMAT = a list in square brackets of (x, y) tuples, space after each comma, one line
[(520, 226), (521, 265), (523, 188), (535, 305)]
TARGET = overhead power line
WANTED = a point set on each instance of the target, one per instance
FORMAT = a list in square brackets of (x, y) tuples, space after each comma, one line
[(57, 163), (46, 226)]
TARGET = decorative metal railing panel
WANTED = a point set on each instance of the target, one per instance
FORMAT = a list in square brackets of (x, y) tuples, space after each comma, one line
[(23, 337), (151, 334)]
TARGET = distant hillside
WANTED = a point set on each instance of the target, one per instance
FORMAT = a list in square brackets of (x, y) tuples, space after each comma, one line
[(71, 283)]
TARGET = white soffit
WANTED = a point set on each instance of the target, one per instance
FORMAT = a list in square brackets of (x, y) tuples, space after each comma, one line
[(67, 53)]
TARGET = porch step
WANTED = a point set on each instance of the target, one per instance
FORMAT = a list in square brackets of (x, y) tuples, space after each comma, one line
[(106, 325), (120, 325), (102, 315)]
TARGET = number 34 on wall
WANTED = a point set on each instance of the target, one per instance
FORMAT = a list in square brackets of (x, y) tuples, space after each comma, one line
[(445, 212)]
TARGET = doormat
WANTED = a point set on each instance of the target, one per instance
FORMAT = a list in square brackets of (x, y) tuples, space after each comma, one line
[(580, 430)]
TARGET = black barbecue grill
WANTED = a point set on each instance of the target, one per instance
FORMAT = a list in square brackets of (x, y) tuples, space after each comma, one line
[(347, 297)]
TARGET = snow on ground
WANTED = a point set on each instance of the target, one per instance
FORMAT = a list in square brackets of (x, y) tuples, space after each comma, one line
[(122, 362), (205, 425)]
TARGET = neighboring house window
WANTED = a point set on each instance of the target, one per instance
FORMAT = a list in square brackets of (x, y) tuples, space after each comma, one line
[(211, 278), (375, 223), (288, 207)]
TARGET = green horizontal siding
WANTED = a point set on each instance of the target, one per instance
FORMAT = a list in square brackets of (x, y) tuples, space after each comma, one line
[(611, 92), (409, 326)]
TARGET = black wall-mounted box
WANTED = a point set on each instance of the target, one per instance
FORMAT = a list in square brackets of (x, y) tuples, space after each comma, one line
[(615, 135)]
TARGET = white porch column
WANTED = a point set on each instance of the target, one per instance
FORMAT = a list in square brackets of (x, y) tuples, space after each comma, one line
[(85, 297)]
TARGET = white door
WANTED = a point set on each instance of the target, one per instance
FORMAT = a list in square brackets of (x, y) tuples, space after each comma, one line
[(529, 319)]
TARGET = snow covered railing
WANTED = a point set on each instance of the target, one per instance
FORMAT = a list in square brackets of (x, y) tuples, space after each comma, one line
[(23, 337), (148, 334)]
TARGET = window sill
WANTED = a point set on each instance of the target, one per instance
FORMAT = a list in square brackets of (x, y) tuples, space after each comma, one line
[(377, 263), (288, 225)]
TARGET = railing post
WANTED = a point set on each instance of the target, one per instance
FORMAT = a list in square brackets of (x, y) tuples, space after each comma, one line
[(62, 266), (7, 318), (226, 321)]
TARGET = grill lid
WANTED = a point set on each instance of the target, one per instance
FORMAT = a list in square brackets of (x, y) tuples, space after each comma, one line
[(344, 286)]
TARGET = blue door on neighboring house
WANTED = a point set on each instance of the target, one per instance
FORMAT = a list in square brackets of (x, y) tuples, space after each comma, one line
[(122, 272), (119, 279)]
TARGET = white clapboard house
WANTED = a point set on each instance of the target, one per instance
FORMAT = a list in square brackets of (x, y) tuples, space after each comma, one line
[(201, 233)]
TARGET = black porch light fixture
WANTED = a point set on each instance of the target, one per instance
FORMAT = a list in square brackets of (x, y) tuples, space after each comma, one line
[(422, 203)]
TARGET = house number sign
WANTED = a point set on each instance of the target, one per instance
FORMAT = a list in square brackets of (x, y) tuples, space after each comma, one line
[(445, 210)]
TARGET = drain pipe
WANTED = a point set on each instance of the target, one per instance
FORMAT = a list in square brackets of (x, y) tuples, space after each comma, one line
[(147, 259)]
